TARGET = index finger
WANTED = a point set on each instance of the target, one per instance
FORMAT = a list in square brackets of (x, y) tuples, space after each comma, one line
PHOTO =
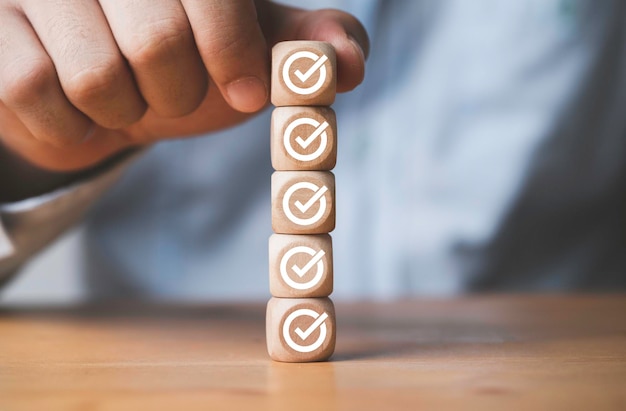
[(233, 49)]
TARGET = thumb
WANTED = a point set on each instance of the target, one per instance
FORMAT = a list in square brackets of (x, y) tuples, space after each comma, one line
[(342, 30)]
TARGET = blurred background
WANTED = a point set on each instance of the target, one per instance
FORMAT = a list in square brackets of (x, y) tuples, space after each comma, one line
[(53, 277), (484, 152)]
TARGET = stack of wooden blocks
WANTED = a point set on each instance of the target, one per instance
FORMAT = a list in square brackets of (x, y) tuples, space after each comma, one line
[(300, 324)]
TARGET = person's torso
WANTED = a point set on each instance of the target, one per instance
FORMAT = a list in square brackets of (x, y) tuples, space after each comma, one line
[(485, 150)]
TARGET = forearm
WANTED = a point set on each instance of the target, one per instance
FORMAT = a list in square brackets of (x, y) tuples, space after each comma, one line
[(29, 225), (19, 179)]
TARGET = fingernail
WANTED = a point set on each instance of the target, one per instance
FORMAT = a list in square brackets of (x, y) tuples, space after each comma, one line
[(357, 47), (247, 94), (89, 134)]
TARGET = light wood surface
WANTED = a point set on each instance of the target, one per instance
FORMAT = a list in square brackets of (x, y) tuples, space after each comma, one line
[(487, 353)]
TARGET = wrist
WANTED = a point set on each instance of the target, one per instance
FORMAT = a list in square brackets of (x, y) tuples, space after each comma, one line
[(21, 178)]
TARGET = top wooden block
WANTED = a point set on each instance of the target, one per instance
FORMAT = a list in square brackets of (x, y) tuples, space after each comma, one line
[(304, 73)]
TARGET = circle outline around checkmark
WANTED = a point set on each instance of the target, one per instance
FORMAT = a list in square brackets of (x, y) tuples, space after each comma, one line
[(303, 91), (287, 139), (287, 209), (287, 334), (285, 275)]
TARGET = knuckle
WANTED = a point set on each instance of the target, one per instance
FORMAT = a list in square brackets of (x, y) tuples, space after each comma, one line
[(229, 44), (94, 83), (158, 41), (58, 130), (24, 81)]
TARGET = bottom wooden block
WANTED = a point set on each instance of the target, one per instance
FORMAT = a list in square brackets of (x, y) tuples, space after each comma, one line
[(300, 329)]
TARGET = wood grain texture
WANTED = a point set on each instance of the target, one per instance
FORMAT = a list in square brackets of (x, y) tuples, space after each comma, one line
[(303, 202), (300, 329), (301, 265), (483, 353), (304, 73), (303, 138)]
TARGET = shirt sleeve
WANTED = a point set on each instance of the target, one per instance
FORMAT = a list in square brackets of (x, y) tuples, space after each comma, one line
[(29, 225)]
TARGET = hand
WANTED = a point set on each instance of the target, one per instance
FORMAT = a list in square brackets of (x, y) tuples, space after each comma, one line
[(81, 80)]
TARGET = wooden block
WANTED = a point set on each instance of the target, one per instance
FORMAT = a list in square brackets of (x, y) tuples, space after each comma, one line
[(303, 202), (304, 138), (304, 73), (300, 329), (301, 265)]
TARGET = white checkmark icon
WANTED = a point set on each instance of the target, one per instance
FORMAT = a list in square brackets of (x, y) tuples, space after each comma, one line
[(315, 258), (318, 194), (305, 334), (318, 197), (317, 324), (302, 271), (305, 143), (319, 133), (304, 77)]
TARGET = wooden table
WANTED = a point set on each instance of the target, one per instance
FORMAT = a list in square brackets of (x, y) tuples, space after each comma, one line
[(495, 352)]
